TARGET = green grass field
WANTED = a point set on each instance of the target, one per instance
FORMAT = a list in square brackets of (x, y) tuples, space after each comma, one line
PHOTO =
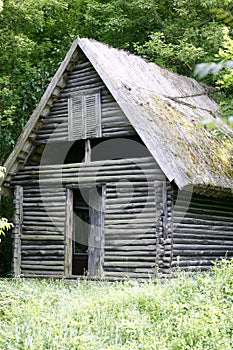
[(190, 312)]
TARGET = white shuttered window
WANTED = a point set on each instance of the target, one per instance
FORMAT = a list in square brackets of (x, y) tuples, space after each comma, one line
[(84, 116)]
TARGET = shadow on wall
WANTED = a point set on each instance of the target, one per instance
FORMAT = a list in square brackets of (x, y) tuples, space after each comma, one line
[(7, 211)]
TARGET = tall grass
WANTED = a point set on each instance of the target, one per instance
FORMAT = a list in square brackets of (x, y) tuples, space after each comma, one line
[(190, 312)]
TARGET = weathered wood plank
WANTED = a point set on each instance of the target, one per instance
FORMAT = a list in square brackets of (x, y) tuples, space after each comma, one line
[(68, 232), (18, 220)]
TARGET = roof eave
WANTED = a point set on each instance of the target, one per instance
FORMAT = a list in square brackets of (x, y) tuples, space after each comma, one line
[(39, 109)]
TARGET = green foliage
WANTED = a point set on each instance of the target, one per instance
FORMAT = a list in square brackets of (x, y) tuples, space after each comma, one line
[(190, 312), (35, 35), (175, 34), (223, 74), (4, 225), (119, 23)]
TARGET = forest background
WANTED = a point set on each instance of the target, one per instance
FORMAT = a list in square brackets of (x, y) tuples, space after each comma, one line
[(176, 34)]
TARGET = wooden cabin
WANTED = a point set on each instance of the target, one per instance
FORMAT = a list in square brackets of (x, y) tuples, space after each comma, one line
[(114, 177)]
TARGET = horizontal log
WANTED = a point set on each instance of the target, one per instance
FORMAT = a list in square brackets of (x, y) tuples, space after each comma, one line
[(210, 217), (130, 220), (40, 273), (42, 267), (181, 263), (83, 180), (190, 238), (118, 230), (202, 247), (48, 263), (194, 268), (52, 137), (80, 78), (138, 199), (52, 132), (131, 248), (145, 215), (43, 230), (126, 192), (129, 132), (207, 226), (219, 252), (42, 205), (38, 252), (126, 264), (136, 274), (98, 174), (130, 242), (42, 227), (121, 228), (195, 231), (86, 87), (122, 211), (43, 219), (36, 237), (108, 258), (131, 253), (42, 247), (200, 201), (81, 67), (198, 221), (215, 210), (203, 241), (96, 164)]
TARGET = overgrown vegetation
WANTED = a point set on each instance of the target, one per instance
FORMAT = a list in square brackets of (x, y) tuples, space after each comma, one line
[(35, 36), (190, 312)]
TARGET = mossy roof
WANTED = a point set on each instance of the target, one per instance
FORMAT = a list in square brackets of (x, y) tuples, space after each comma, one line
[(166, 109)]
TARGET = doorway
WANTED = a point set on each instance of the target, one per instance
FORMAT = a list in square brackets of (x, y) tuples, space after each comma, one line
[(87, 226), (81, 221)]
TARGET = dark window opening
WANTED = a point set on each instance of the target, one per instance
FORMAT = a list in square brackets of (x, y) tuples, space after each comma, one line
[(76, 153), (118, 148)]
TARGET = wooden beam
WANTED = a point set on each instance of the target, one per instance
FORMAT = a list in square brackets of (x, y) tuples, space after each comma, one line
[(18, 220), (68, 232)]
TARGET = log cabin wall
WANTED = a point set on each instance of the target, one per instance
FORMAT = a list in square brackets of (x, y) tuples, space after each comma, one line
[(42, 236), (135, 241), (83, 79), (203, 231)]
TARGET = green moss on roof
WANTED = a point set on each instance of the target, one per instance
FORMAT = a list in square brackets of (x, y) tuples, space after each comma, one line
[(206, 155)]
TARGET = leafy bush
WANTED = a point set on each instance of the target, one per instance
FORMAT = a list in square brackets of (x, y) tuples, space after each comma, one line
[(4, 225), (190, 312)]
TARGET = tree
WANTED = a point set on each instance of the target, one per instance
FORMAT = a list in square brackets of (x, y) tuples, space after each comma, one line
[(34, 37), (222, 69)]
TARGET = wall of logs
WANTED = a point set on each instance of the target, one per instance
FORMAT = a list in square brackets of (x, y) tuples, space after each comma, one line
[(146, 231), (83, 78), (202, 231), (42, 235), (133, 224)]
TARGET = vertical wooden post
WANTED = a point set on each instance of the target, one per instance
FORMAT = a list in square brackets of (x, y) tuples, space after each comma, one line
[(158, 223), (68, 232), (164, 199), (96, 233), (87, 150), (17, 232)]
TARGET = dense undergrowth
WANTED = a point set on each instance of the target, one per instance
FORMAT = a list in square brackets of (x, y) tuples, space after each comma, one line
[(190, 312)]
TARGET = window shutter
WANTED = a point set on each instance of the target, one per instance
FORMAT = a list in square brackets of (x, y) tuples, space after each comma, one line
[(75, 123), (84, 116)]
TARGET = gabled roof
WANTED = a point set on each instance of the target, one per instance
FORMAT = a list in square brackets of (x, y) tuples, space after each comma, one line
[(164, 108)]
